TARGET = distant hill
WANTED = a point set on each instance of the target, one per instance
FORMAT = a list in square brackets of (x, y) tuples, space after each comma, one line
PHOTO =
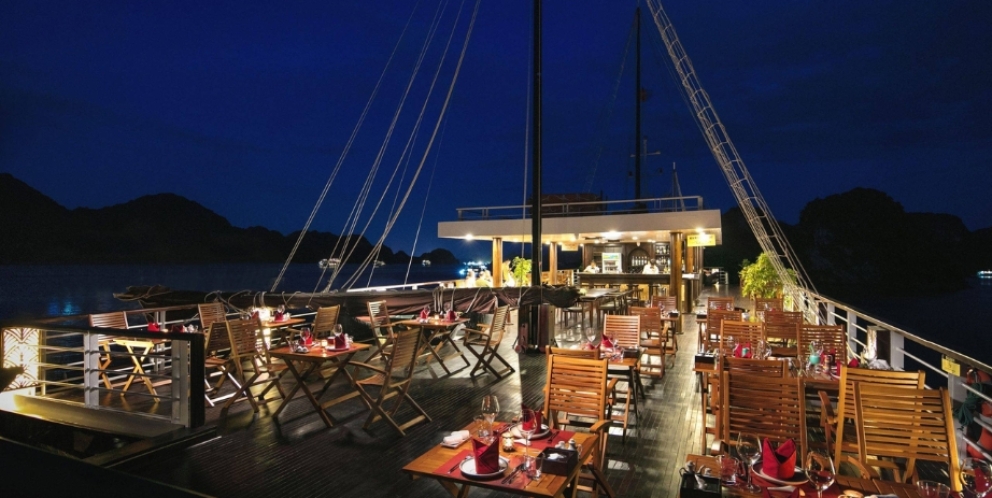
[(161, 228)]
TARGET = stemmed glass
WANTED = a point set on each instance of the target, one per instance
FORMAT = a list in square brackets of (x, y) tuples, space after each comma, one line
[(490, 408), (305, 336), (976, 476), (528, 423), (820, 470), (590, 334), (749, 449)]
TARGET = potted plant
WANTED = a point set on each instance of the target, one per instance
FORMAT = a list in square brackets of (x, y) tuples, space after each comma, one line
[(521, 271), (759, 279)]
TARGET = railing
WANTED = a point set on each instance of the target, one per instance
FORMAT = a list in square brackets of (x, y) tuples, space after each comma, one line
[(75, 365), (585, 208), (869, 337)]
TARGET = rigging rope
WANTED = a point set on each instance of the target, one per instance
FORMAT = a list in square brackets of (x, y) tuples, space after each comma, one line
[(430, 183), (344, 153)]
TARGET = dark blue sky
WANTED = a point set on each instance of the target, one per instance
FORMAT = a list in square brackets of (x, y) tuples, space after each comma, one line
[(246, 108)]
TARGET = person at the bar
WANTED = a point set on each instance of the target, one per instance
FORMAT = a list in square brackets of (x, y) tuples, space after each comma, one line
[(592, 268), (650, 268)]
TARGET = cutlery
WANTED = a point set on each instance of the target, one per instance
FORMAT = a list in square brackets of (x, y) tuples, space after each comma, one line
[(455, 466), (513, 474)]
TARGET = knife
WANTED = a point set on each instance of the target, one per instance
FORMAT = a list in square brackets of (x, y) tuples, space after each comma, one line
[(513, 474)]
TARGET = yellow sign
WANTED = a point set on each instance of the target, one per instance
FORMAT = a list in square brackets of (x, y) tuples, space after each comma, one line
[(700, 239), (950, 366), (569, 246)]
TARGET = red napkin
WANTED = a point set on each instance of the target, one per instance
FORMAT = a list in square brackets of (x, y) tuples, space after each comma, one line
[(536, 424), (854, 363), (153, 327), (742, 350), (424, 314), (607, 343), (451, 315), (779, 463), (340, 341), (486, 456), (982, 483)]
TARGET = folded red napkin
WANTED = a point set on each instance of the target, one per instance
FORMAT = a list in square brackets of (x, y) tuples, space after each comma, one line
[(153, 327), (607, 343), (778, 463), (742, 350), (451, 315), (535, 424), (340, 341), (424, 314), (486, 456), (854, 363)]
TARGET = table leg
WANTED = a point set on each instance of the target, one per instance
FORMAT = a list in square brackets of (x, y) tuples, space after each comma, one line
[(138, 360), (301, 382), (296, 387)]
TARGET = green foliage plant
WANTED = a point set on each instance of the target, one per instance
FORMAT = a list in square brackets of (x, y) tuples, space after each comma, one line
[(521, 271), (759, 279)]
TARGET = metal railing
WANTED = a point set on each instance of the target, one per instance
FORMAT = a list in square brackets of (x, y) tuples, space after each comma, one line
[(869, 337), (585, 208), (145, 374)]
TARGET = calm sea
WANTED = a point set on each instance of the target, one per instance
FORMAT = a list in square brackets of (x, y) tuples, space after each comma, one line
[(958, 320)]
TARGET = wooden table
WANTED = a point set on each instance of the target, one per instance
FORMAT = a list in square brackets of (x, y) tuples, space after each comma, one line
[(281, 325), (440, 331), (145, 346), (436, 461), (314, 359), (841, 485)]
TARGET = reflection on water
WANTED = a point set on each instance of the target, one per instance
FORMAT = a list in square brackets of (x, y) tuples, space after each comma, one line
[(33, 291)]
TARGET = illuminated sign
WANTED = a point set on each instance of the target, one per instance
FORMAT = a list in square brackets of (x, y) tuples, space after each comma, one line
[(700, 239)]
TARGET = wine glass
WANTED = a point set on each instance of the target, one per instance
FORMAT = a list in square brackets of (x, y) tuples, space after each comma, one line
[(590, 334), (749, 449), (306, 336), (976, 476), (933, 489), (490, 408), (528, 424), (820, 471)]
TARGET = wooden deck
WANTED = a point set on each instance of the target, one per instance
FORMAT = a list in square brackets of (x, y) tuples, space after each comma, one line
[(296, 455)]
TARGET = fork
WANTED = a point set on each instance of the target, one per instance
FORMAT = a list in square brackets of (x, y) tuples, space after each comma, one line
[(512, 475)]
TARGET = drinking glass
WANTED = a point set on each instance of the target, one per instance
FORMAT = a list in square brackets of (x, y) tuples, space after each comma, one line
[(528, 424), (820, 470), (728, 469), (933, 489), (749, 449), (490, 408), (533, 465), (976, 475), (306, 336), (590, 334)]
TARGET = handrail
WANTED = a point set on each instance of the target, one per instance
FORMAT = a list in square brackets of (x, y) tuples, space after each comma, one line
[(565, 209)]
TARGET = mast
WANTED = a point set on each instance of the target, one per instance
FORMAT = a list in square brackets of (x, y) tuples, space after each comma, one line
[(535, 243), (637, 107)]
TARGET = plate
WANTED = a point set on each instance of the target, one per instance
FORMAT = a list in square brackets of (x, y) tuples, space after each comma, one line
[(459, 443), (796, 480), (545, 430), (468, 468)]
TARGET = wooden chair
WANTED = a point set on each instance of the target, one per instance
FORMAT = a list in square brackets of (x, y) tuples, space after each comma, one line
[(484, 344), (741, 332), (713, 395), (720, 303), (656, 340), (114, 320), (782, 337), (906, 424), (839, 437), (763, 304), (217, 361), (393, 381), (766, 406), (625, 331), (211, 313), (665, 303), (382, 329), (714, 318), (577, 388), (832, 338), (249, 354), (325, 321), (784, 317)]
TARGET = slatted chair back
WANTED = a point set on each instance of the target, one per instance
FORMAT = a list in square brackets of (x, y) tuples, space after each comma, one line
[(405, 348), (576, 386), (625, 330), (784, 317), (742, 332), (484, 345), (768, 407), (243, 337), (379, 320), (666, 303), (113, 320), (652, 327), (846, 406), (831, 338), (393, 381), (714, 319), (910, 424), (211, 313), (720, 303), (762, 304), (325, 321), (771, 368), (782, 332), (218, 338)]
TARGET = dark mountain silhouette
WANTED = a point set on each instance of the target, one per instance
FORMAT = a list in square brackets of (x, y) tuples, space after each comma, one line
[(161, 228)]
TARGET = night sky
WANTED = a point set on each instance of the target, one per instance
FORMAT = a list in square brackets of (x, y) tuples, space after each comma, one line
[(246, 108)]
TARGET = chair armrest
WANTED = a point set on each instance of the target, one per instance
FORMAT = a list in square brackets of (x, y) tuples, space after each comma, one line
[(367, 367), (827, 415), (719, 447), (600, 425), (611, 386), (865, 472)]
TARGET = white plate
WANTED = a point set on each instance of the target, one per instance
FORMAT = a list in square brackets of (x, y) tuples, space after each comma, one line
[(455, 445), (798, 479), (468, 468), (545, 430)]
